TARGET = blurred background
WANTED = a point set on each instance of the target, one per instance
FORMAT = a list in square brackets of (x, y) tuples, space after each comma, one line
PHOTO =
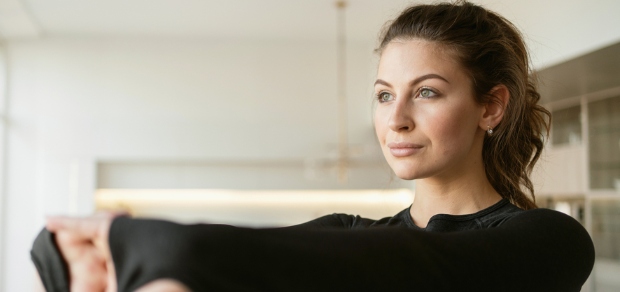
[(259, 113)]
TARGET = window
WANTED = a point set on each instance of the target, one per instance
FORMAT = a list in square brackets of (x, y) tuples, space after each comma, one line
[(604, 143), (566, 126), (606, 237)]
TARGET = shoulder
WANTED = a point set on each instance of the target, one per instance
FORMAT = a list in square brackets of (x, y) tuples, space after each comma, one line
[(554, 237), (549, 224), (507, 212), (545, 218)]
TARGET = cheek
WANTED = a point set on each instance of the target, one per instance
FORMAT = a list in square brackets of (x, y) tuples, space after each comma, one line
[(454, 131), (380, 122)]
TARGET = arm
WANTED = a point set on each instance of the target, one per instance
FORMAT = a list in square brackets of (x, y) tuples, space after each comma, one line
[(73, 255), (537, 250)]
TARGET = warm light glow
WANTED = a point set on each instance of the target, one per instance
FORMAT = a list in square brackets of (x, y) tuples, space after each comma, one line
[(256, 208), (193, 197)]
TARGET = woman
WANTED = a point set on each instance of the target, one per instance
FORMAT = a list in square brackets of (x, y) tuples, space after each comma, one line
[(458, 113)]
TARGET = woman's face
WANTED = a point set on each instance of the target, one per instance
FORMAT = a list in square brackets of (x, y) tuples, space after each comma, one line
[(427, 120)]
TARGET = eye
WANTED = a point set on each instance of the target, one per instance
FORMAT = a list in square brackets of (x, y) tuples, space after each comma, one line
[(384, 96), (426, 93)]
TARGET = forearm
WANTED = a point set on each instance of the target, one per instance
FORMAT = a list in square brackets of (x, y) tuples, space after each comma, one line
[(517, 256)]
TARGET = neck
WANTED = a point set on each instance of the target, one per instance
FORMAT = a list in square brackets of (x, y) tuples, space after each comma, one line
[(467, 193)]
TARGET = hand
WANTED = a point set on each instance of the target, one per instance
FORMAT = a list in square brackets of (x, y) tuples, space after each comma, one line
[(164, 285), (83, 243)]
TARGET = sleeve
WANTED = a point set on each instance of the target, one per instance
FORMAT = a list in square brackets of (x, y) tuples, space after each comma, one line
[(537, 250), (49, 263)]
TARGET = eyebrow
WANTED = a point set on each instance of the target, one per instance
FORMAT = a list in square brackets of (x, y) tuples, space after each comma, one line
[(415, 81)]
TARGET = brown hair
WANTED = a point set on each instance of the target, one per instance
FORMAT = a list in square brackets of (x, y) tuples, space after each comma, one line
[(493, 52)]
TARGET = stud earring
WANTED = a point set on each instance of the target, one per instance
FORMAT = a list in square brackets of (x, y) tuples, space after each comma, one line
[(489, 130)]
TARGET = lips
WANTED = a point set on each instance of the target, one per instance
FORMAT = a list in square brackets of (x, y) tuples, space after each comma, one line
[(403, 149)]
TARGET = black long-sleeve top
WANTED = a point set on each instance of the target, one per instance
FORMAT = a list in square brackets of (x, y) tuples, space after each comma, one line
[(501, 248)]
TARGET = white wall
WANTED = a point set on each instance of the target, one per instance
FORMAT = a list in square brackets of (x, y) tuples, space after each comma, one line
[(559, 171), (75, 102)]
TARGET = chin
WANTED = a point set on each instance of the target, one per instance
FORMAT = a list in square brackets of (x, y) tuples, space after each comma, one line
[(405, 173), (406, 176)]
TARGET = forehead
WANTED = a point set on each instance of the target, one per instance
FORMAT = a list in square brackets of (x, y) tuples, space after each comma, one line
[(415, 57)]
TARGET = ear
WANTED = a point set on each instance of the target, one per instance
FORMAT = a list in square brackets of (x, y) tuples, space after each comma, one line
[(493, 111)]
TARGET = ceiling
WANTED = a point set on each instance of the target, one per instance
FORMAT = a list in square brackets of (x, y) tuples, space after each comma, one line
[(555, 30)]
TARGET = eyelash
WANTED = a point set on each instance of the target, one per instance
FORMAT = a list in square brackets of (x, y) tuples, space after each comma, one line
[(380, 94), (417, 94)]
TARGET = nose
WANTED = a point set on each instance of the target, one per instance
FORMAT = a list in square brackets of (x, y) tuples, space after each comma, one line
[(401, 118)]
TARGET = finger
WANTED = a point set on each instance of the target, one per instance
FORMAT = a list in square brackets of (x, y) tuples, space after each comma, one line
[(75, 249), (88, 275), (71, 247), (82, 227), (111, 284), (64, 238)]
